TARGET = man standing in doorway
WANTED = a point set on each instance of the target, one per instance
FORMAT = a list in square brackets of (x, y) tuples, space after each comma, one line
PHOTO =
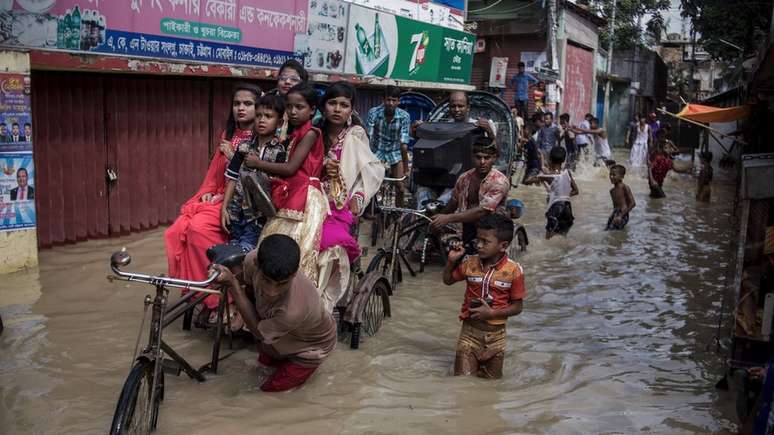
[(520, 82), (388, 127)]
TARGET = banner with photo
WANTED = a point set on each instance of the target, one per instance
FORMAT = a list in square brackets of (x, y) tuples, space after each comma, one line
[(242, 32), (390, 46), (15, 114), (17, 191)]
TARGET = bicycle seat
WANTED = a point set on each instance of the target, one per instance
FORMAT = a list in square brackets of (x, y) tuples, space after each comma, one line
[(226, 254)]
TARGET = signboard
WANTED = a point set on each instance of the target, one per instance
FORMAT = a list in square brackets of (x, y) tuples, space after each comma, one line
[(324, 43), (533, 60), (15, 116), (17, 191), (432, 12), (17, 172), (246, 32), (498, 72), (390, 46)]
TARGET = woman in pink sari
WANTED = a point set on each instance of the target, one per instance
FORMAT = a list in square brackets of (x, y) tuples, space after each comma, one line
[(198, 226), (352, 175)]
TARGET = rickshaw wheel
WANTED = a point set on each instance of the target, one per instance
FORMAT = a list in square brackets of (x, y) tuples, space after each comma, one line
[(376, 308), (381, 263)]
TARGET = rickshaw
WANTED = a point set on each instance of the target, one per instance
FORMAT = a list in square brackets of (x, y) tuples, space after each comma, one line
[(441, 154), (362, 307)]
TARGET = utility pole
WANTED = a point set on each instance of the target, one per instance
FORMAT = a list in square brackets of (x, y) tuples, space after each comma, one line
[(609, 66), (635, 67), (552, 54)]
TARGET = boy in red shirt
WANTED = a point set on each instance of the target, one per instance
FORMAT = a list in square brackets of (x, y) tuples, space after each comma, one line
[(495, 291)]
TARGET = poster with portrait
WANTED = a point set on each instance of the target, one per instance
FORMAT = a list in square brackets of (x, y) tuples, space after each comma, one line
[(324, 45), (17, 191), (15, 114)]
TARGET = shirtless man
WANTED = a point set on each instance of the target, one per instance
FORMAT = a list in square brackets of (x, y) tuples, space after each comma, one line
[(294, 330), (623, 200)]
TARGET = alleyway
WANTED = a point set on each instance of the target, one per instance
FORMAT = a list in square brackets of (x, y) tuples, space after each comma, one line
[(616, 337)]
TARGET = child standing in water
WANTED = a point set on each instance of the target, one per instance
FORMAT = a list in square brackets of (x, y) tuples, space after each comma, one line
[(658, 167), (495, 291), (623, 200), (296, 191), (703, 189), (561, 186)]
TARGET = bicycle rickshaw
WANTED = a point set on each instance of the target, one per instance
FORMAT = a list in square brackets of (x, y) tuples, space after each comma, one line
[(362, 307), (441, 154)]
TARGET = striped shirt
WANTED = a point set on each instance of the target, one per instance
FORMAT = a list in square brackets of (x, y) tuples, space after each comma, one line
[(502, 282), (386, 137)]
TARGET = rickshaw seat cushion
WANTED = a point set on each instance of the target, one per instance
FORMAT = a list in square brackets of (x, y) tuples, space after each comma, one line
[(226, 254)]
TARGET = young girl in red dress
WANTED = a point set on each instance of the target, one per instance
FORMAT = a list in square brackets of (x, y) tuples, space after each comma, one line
[(296, 191)]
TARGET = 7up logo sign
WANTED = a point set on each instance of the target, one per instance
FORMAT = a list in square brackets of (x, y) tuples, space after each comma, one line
[(420, 41)]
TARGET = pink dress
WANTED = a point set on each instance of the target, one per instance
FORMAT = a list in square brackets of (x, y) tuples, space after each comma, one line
[(198, 226), (337, 227)]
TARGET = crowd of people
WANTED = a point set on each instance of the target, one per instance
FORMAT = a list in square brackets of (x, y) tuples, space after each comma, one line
[(293, 173)]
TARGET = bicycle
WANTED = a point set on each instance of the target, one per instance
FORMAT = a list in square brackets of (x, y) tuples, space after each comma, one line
[(138, 404), (404, 233), (385, 197)]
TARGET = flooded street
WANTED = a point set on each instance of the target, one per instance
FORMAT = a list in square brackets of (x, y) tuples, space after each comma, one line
[(617, 336)]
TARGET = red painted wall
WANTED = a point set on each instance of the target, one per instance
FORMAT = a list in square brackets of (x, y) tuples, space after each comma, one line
[(579, 79)]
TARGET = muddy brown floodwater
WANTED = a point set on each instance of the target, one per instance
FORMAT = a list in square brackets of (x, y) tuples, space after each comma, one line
[(616, 337)]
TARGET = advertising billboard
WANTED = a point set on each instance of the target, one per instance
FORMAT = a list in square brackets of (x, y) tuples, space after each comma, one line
[(243, 32), (389, 46)]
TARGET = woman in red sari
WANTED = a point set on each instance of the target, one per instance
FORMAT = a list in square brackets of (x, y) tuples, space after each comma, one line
[(198, 226)]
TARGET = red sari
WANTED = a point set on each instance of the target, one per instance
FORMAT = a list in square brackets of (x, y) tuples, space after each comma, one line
[(198, 226)]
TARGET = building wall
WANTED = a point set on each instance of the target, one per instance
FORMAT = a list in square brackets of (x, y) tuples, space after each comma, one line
[(510, 46), (578, 45), (18, 249)]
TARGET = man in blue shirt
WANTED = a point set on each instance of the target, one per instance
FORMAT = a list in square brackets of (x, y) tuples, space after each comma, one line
[(388, 129), (520, 82)]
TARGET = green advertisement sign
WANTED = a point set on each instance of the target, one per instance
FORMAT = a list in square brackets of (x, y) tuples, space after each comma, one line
[(456, 57), (389, 46)]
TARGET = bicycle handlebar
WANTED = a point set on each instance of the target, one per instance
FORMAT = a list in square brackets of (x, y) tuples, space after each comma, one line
[(395, 180), (122, 258)]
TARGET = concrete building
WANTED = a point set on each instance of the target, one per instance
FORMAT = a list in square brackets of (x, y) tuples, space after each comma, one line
[(518, 31)]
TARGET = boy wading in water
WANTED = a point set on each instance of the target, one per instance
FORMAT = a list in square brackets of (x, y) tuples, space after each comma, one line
[(561, 186), (623, 200), (495, 291), (294, 330)]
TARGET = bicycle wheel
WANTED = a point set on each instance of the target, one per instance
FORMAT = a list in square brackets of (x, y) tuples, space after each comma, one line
[(381, 263), (376, 308), (133, 408)]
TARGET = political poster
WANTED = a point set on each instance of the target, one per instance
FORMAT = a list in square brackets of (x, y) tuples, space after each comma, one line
[(15, 114), (17, 191)]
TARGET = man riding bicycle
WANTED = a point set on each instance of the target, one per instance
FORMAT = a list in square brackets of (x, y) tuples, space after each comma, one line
[(477, 193)]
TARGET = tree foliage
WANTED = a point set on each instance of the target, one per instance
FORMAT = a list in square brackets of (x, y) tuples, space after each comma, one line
[(630, 19), (744, 23)]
